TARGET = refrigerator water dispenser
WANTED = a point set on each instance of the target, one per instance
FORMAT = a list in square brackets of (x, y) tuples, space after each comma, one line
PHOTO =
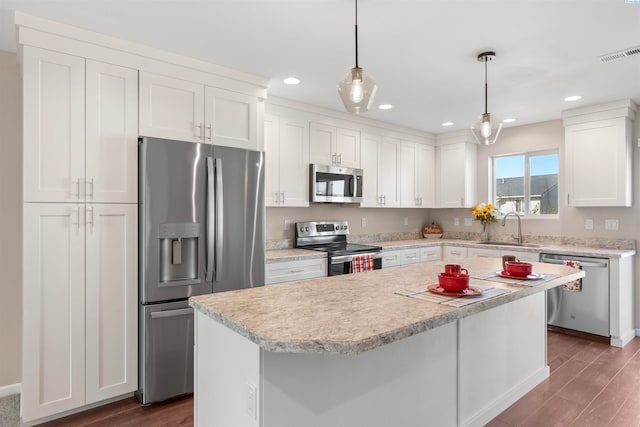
[(178, 253)]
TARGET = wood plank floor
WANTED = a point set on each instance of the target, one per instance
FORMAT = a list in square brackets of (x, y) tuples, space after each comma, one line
[(591, 384)]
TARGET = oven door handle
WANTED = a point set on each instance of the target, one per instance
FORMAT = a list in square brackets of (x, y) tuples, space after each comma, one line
[(348, 258)]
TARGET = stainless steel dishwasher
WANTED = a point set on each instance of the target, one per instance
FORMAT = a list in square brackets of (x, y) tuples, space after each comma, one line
[(587, 310)]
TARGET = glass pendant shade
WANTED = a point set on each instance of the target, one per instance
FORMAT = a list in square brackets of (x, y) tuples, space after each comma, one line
[(486, 129), (357, 90)]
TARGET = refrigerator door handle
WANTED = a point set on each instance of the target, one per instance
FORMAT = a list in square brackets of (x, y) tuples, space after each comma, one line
[(209, 220), (219, 219)]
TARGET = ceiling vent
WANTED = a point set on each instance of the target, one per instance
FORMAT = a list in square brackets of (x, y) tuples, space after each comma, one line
[(620, 54)]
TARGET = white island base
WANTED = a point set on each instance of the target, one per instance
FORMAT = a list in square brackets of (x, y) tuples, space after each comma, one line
[(462, 373)]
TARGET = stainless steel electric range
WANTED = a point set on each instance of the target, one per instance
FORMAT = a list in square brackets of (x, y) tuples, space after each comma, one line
[(331, 237)]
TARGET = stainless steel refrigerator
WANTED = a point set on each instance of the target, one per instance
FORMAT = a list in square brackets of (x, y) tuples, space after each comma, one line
[(201, 217)]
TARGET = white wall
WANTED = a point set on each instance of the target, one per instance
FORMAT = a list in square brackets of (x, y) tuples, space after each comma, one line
[(11, 219)]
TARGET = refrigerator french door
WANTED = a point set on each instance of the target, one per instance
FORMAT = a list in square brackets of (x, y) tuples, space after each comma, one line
[(201, 214)]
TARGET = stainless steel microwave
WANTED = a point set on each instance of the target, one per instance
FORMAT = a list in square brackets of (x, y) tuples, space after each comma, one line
[(334, 184)]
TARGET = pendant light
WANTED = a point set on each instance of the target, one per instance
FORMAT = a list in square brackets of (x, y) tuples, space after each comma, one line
[(358, 87), (487, 128)]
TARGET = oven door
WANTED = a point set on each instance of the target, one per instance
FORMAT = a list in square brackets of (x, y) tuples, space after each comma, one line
[(342, 264)]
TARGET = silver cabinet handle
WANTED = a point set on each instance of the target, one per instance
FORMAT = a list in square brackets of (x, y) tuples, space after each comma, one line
[(76, 182), (384, 200), (220, 219), (210, 129), (198, 127), (209, 221), (90, 211), (461, 201), (299, 270), (76, 210), (171, 313), (282, 200), (334, 158), (340, 158), (90, 183), (276, 197)]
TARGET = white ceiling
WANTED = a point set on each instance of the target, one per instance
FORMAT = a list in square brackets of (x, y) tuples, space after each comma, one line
[(421, 52)]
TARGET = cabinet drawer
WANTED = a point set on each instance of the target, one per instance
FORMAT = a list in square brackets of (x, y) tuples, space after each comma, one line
[(454, 253), (391, 258), (431, 254), (410, 256), (485, 253), (288, 271)]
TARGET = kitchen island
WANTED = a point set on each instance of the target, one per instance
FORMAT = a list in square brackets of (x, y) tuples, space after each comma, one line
[(350, 351)]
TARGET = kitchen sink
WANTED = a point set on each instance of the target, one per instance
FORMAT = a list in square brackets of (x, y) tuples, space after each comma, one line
[(525, 245)]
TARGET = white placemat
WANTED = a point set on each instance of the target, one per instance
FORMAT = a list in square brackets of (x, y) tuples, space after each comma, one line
[(493, 276)]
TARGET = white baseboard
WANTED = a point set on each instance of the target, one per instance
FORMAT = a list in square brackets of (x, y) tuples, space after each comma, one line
[(8, 390), (624, 340), (507, 399)]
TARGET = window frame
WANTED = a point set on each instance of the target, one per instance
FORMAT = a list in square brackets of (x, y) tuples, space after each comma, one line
[(527, 181)]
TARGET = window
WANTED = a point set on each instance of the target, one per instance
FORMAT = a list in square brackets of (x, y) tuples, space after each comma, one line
[(526, 183)]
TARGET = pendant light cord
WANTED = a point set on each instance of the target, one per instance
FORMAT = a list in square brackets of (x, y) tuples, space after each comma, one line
[(485, 86), (357, 34)]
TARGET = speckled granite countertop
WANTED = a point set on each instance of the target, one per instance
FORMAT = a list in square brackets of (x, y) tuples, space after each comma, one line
[(353, 313), (296, 254)]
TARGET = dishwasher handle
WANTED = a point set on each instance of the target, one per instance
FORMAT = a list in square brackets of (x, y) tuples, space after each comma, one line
[(582, 263)]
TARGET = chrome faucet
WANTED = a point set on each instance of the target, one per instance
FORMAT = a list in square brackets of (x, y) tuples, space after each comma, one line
[(504, 222)]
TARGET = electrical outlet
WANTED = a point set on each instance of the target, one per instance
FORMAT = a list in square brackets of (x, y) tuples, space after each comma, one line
[(468, 222), (456, 221), (611, 224), (406, 220), (252, 401), (287, 224), (588, 224), (363, 222)]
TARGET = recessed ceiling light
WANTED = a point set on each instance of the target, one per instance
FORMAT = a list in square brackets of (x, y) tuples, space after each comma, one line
[(291, 81), (385, 106), (573, 98), (510, 120), (447, 123)]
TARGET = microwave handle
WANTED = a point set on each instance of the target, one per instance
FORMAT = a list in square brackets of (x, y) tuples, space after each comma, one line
[(352, 186)]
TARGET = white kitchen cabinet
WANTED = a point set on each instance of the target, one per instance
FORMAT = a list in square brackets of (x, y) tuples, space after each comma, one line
[(522, 256), (456, 175), (391, 258), (454, 253), (73, 155), (288, 271), (330, 145), (380, 159), (432, 253), (598, 154), (410, 256), (183, 110), (80, 291), (286, 143), (418, 173)]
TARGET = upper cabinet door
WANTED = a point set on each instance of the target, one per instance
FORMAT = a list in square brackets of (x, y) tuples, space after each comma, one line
[(322, 143), (272, 160), (111, 134), (389, 172), (456, 175), (425, 176), (231, 119), (369, 161), (347, 149), (294, 162), (53, 129), (171, 108)]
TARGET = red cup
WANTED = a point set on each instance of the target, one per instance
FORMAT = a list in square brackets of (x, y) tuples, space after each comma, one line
[(453, 282), (454, 268), (518, 268)]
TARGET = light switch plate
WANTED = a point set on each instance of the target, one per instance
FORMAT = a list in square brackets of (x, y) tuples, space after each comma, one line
[(611, 224), (363, 222), (456, 221), (287, 224), (588, 224), (406, 220)]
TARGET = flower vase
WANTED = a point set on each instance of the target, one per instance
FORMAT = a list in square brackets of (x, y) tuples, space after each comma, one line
[(484, 236)]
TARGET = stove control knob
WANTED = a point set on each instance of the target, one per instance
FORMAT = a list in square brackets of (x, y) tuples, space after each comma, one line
[(307, 229)]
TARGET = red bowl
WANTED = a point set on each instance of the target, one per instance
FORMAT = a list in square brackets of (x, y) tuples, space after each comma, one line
[(518, 268), (453, 282)]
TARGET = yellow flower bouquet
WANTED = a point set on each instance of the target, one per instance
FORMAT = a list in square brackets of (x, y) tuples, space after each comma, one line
[(485, 213)]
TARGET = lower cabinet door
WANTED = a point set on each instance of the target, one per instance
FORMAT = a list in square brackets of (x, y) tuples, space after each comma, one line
[(111, 300), (53, 343)]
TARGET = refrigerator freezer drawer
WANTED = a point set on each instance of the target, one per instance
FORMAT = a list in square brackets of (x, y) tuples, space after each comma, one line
[(167, 357)]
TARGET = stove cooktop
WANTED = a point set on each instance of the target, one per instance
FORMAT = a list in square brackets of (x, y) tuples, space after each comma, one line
[(336, 249)]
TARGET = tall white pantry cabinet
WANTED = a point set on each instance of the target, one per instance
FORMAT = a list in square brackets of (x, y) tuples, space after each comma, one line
[(80, 287)]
